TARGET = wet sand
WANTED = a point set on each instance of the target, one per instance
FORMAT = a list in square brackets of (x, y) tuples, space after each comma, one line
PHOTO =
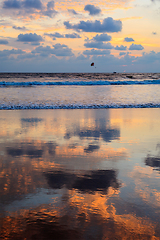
[(80, 174)]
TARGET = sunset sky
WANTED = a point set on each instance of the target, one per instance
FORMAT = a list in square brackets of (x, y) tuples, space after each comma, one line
[(66, 36)]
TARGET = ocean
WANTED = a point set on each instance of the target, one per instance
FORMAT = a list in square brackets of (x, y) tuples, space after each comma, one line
[(79, 90), (79, 156)]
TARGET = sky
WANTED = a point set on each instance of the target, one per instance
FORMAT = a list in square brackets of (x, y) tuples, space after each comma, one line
[(67, 36)]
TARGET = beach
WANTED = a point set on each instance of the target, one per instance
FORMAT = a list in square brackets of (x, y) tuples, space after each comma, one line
[(79, 120), (80, 173)]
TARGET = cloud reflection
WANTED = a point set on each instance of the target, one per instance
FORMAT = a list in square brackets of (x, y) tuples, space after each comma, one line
[(59, 172), (30, 151), (75, 218), (90, 182), (153, 162), (106, 133), (91, 148)]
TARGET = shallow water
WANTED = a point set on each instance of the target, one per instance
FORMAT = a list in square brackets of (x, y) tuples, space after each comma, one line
[(79, 90), (80, 174)]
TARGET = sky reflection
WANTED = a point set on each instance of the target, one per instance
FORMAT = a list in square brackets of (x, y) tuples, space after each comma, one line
[(85, 174)]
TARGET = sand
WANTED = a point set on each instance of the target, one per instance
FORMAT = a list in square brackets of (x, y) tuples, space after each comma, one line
[(80, 174)]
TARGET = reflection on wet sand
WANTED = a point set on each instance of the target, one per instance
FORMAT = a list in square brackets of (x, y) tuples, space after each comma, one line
[(25, 166), (78, 217), (79, 175), (154, 161), (91, 182)]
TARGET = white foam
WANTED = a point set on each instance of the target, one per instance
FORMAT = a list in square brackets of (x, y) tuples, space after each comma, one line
[(76, 106)]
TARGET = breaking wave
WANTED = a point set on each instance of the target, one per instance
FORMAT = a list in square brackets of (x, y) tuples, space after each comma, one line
[(78, 83), (77, 106)]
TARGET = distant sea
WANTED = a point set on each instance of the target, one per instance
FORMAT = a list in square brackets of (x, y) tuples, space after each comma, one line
[(79, 90)]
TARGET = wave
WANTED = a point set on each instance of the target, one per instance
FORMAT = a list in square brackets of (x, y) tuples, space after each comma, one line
[(77, 106), (78, 83)]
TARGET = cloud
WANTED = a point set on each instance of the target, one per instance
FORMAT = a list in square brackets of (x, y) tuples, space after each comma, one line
[(136, 47), (58, 35), (7, 53), (72, 35), (122, 53), (92, 9), (97, 42), (108, 25), (72, 11), (30, 7), (44, 59), (58, 50), (96, 52), (29, 37), (99, 45), (62, 50), (102, 37), (37, 4), (3, 42), (121, 48), (82, 58), (127, 39), (150, 57), (8, 4), (19, 28), (50, 12), (55, 35), (35, 43)]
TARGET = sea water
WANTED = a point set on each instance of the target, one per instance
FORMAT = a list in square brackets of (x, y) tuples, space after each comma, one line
[(55, 91)]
